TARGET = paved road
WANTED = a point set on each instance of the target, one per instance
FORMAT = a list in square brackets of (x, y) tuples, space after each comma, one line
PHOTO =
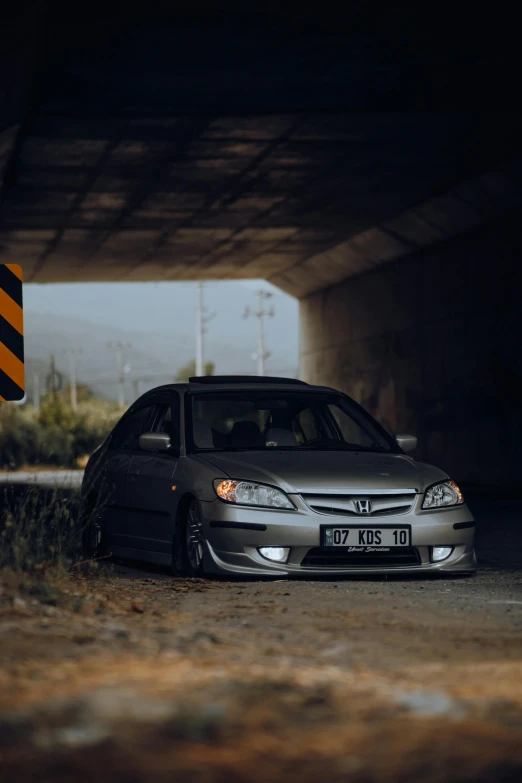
[(134, 675)]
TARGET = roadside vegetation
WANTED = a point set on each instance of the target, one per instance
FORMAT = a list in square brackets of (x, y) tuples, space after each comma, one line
[(42, 549), (42, 529), (188, 370), (45, 532), (54, 435), (39, 529)]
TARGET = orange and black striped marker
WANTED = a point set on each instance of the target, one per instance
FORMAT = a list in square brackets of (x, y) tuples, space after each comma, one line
[(12, 383)]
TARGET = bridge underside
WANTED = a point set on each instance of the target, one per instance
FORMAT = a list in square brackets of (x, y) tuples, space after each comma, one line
[(324, 153), (198, 142), (304, 200)]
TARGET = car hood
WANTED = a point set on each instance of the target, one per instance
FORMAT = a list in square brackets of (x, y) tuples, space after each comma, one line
[(321, 471)]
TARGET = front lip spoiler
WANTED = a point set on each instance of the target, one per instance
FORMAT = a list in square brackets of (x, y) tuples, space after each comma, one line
[(216, 563)]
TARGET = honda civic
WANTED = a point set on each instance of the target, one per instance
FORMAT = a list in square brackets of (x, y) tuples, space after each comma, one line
[(270, 476)]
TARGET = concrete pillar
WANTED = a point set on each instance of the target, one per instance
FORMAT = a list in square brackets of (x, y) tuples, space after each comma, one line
[(431, 344)]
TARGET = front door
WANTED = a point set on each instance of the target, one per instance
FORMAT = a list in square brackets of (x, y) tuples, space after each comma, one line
[(113, 493), (152, 485), (114, 489)]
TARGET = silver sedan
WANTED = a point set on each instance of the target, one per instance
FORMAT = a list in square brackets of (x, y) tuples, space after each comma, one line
[(267, 476)]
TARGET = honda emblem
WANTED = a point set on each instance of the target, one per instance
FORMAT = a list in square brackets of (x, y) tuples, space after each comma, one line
[(363, 506)]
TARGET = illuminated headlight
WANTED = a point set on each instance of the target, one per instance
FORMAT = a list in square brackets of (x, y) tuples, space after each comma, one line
[(440, 552), (248, 493), (279, 554), (446, 493)]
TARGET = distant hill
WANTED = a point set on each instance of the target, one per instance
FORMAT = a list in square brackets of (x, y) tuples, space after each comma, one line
[(155, 355)]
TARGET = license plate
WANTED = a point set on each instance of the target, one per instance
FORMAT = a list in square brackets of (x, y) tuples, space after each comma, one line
[(366, 536)]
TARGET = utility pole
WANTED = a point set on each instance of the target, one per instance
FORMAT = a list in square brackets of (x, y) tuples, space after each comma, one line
[(260, 314), (135, 388), (54, 380), (201, 322), (199, 329), (121, 369), (73, 353)]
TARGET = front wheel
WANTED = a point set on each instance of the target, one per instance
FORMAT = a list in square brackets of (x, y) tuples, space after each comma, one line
[(193, 543), (94, 536)]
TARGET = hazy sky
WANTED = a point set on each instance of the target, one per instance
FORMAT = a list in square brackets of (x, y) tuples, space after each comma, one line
[(166, 307)]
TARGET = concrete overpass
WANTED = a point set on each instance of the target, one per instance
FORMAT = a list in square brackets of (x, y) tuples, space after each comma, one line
[(327, 154)]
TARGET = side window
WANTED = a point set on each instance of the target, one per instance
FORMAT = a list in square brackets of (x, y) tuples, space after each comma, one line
[(127, 433), (167, 420)]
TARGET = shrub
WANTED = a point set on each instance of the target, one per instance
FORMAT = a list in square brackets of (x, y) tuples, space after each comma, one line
[(54, 435), (41, 527), (19, 437)]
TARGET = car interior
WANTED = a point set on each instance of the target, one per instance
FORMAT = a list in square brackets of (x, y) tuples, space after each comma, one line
[(271, 428), (276, 422)]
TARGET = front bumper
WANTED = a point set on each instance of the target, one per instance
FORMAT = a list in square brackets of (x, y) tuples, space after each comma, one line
[(232, 535)]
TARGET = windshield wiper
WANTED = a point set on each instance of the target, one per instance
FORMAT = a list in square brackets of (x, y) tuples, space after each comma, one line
[(342, 447), (316, 447), (236, 448)]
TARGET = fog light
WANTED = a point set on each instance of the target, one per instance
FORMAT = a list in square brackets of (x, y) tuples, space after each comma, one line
[(440, 552), (278, 554)]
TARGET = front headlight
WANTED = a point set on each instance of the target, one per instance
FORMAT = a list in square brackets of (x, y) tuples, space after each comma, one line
[(446, 493), (248, 493)]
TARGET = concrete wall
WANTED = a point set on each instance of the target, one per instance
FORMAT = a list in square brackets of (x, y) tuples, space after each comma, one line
[(431, 344)]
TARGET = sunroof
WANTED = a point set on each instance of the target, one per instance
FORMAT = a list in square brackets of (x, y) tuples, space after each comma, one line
[(219, 379)]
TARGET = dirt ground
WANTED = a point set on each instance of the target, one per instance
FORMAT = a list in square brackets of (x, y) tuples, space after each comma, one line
[(133, 675)]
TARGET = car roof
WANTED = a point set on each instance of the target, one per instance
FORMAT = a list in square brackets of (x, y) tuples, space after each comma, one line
[(243, 383)]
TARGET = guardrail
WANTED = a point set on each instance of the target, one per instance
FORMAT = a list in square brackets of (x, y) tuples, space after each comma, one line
[(50, 479)]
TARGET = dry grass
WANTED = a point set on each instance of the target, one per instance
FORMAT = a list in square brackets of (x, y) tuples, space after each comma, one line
[(39, 529)]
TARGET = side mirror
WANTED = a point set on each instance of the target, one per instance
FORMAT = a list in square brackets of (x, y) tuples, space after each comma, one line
[(155, 441), (406, 442)]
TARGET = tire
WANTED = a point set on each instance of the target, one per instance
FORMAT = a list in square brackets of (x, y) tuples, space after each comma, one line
[(192, 542), (94, 536)]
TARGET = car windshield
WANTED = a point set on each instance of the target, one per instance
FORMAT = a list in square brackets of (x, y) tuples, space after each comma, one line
[(260, 420)]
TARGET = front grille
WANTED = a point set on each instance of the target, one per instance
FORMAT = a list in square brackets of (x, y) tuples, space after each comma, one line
[(346, 505), (382, 512), (339, 558)]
